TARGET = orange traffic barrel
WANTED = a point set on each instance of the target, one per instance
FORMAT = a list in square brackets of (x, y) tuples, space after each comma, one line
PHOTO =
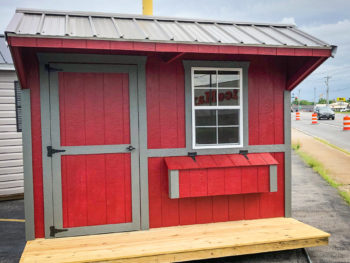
[(346, 123), (314, 118), (297, 116)]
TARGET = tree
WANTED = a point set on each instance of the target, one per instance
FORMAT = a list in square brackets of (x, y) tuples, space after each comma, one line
[(322, 101)]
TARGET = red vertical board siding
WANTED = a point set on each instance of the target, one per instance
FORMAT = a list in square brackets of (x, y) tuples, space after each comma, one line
[(263, 179), (205, 209), (94, 108), (266, 82), (233, 180), (32, 66), (96, 189), (272, 204), (165, 104), (216, 181)]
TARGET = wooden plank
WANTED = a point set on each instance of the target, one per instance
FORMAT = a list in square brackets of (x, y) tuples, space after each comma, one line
[(174, 244)]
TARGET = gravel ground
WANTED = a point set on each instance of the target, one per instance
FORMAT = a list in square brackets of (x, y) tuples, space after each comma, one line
[(314, 202)]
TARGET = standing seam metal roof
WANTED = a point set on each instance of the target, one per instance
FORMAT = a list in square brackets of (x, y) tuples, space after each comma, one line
[(60, 24), (5, 56)]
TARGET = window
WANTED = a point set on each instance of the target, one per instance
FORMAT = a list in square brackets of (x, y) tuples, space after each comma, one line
[(216, 107), (18, 106)]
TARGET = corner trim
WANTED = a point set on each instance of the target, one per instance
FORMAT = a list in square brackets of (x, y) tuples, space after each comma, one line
[(28, 166), (287, 157)]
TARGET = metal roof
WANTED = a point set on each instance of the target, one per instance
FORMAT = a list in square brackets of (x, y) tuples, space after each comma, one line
[(119, 27), (5, 56)]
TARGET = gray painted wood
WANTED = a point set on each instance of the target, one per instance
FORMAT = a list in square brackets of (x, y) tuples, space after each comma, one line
[(174, 188), (273, 178), (287, 156)]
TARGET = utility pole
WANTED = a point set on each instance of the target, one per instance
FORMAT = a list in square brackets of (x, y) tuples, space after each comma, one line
[(314, 96), (299, 100), (327, 87)]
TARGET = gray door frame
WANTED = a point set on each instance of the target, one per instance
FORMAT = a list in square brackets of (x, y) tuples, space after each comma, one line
[(50, 136)]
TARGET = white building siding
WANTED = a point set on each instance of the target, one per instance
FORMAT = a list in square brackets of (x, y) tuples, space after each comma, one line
[(11, 160)]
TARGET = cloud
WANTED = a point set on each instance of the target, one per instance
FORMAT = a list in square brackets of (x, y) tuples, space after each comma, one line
[(338, 68), (288, 20)]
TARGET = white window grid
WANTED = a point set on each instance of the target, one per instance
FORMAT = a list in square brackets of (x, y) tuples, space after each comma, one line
[(217, 107)]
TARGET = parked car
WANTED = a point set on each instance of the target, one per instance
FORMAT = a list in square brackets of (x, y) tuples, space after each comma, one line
[(325, 113)]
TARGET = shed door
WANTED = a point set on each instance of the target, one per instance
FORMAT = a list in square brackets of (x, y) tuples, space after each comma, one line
[(94, 123)]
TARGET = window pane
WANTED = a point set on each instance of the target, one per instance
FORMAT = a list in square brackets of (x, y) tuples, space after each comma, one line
[(204, 78), (205, 97), (205, 117), (228, 117), (205, 135), (229, 79), (229, 97), (228, 135)]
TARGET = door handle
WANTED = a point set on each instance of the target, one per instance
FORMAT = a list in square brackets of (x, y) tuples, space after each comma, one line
[(130, 148)]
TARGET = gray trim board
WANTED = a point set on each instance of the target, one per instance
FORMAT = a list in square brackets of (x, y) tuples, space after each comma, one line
[(183, 151), (188, 64), (28, 166), (273, 178), (287, 157), (174, 188), (138, 66)]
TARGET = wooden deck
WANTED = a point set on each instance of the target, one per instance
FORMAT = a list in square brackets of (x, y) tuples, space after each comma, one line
[(180, 243)]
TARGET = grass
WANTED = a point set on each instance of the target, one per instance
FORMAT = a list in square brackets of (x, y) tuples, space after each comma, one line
[(319, 168), (342, 111)]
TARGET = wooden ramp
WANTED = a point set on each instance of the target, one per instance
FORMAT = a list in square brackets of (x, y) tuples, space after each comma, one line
[(180, 243)]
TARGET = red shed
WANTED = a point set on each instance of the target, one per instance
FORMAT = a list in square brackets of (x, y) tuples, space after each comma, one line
[(134, 122)]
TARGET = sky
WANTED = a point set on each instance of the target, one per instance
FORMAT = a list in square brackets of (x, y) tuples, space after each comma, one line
[(327, 20)]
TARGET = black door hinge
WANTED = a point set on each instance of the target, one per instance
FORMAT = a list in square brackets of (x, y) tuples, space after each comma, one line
[(130, 148), (51, 151), (192, 155), (52, 69), (244, 153), (54, 231)]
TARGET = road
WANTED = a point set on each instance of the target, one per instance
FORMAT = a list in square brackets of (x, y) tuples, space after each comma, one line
[(329, 130)]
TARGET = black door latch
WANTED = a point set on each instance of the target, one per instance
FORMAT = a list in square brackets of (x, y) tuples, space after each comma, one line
[(130, 148), (192, 155), (51, 151), (54, 231)]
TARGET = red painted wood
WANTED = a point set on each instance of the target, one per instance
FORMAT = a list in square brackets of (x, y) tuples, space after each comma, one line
[(263, 179), (31, 64), (220, 208), (118, 178), (216, 208), (96, 189), (272, 204), (155, 192), (204, 210), (187, 211), (233, 180), (251, 206), (165, 104), (236, 207), (21, 73), (304, 71), (185, 183), (199, 182), (303, 52), (74, 191), (163, 47), (94, 108), (216, 181), (249, 180)]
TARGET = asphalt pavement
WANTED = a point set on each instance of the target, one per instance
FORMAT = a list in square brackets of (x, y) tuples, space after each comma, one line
[(313, 202), (329, 130)]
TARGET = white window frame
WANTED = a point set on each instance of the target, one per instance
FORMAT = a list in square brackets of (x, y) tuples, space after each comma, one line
[(240, 107)]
